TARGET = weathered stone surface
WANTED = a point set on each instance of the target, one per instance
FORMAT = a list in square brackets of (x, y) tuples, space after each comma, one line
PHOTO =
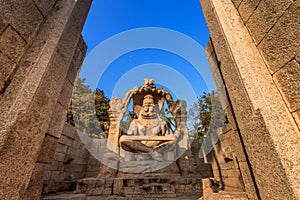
[(296, 116), (26, 78), (3, 25), (282, 43), (236, 3), (66, 94), (65, 196), (77, 61), (61, 148), (69, 131), (118, 185), (34, 188), (228, 136), (54, 166), (70, 162), (213, 62), (6, 70), (265, 16), (141, 187), (45, 5), (240, 63), (298, 57), (57, 121), (159, 184), (47, 152), (59, 157), (247, 180), (247, 7), (65, 140), (47, 173), (11, 44), (221, 90), (287, 80), (209, 49), (32, 99), (267, 153), (93, 167), (75, 168), (23, 16)]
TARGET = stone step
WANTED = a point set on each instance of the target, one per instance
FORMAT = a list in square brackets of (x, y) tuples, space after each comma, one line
[(65, 196), (68, 196), (222, 195), (141, 186)]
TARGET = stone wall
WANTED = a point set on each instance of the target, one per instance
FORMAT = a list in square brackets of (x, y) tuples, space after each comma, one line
[(71, 162), (257, 46), (41, 50), (274, 28), (229, 162), (19, 24)]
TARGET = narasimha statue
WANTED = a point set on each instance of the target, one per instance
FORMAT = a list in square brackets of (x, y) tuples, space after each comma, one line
[(148, 133)]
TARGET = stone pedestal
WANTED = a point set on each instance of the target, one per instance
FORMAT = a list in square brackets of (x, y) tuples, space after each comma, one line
[(142, 186), (179, 179), (139, 176)]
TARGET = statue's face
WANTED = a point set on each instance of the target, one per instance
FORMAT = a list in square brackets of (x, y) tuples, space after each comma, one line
[(149, 110)]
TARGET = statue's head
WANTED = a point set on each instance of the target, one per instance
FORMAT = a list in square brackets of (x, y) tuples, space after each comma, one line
[(149, 85), (149, 108)]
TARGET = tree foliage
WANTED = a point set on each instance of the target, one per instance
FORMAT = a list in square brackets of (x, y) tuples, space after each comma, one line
[(101, 108), (128, 117), (207, 114), (88, 110), (166, 115)]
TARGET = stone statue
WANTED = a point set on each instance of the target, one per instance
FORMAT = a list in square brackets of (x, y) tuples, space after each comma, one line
[(148, 125), (148, 133)]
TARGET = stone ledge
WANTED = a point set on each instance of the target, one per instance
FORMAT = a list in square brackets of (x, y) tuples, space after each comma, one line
[(64, 196)]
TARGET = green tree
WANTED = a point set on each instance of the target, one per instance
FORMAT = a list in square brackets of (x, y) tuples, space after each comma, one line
[(166, 115), (88, 111), (207, 114), (101, 108), (129, 116)]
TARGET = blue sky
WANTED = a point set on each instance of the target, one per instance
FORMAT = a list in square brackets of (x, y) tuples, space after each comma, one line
[(129, 40)]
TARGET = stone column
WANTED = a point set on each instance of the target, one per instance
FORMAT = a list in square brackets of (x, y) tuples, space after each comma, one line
[(30, 97), (268, 129)]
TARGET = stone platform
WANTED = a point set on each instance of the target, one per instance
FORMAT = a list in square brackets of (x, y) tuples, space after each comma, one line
[(181, 179), (135, 186), (141, 186), (71, 196)]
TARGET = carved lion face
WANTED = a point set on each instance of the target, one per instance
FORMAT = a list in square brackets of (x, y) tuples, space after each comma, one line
[(149, 110), (149, 85)]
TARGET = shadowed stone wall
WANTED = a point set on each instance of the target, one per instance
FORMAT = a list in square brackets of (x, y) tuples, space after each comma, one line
[(229, 162), (71, 162), (257, 48), (41, 51)]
